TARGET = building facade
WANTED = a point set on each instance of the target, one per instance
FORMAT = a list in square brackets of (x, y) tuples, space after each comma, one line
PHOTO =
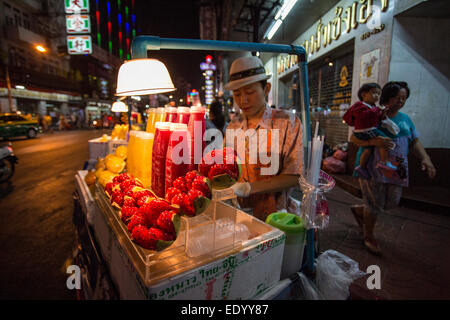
[(372, 41), (51, 81)]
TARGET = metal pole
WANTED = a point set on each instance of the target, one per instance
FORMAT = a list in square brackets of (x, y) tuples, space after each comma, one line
[(141, 44), (306, 134)]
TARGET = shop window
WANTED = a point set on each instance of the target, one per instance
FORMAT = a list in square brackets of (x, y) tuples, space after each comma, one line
[(17, 18), (26, 21)]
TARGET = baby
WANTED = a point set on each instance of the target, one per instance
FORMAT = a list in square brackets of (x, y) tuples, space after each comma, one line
[(366, 117)]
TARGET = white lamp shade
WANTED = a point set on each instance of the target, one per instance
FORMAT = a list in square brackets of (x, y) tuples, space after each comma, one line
[(119, 106), (143, 76)]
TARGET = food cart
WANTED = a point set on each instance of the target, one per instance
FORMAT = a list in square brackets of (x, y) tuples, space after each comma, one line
[(221, 268)]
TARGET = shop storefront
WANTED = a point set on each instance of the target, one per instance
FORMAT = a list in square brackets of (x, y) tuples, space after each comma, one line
[(371, 41)]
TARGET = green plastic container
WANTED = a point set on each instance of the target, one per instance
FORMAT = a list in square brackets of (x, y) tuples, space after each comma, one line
[(294, 228)]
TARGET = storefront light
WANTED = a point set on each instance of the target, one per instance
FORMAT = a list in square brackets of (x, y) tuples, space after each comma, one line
[(285, 9), (143, 76), (20, 87), (273, 29)]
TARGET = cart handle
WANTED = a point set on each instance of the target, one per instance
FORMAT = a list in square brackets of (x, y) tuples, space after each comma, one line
[(141, 44)]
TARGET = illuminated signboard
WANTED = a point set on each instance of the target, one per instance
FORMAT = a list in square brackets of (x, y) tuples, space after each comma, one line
[(76, 6), (77, 23), (79, 44)]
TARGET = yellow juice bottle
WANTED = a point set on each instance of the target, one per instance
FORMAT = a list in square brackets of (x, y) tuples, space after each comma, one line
[(131, 152), (146, 158), (161, 115), (151, 120)]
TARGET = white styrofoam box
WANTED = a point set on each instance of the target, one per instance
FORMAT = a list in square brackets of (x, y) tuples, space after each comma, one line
[(113, 144), (241, 272), (243, 275), (98, 148), (87, 200)]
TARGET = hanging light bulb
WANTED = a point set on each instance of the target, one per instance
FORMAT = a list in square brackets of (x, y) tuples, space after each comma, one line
[(142, 77), (119, 106)]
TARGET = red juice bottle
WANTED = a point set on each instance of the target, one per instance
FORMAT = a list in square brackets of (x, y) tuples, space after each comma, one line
[(160, 144), (177, 159), (183, 115), (196, 129), (171, 114)]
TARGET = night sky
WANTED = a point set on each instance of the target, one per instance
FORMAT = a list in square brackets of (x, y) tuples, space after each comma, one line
[(173, 19)]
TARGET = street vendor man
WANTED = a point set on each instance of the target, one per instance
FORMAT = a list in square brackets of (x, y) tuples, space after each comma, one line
[(270, 141)]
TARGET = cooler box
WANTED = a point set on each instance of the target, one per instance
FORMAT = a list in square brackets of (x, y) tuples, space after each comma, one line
[(97, 148), (236, 267)]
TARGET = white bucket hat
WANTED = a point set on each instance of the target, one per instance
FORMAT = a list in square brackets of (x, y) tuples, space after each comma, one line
[(244, 71)]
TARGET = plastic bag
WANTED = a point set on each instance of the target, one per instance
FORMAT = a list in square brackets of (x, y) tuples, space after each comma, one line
[(305, 289), (297, 287), (333, 165), (334, 274), (314, 206)]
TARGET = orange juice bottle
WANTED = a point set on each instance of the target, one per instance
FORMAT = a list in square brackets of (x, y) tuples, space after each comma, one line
[(131, 152), (151, 120), (145, 158), (160, 115)]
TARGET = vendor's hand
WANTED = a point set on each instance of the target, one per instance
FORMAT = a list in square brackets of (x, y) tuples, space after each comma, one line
[(242, 189), (429, 167), (383, 142)]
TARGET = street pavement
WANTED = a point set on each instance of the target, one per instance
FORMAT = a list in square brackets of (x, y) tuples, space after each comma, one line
[(37, 233), (36, 229), (415, 261)]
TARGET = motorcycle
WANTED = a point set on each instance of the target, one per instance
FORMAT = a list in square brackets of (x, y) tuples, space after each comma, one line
[(7, 162)]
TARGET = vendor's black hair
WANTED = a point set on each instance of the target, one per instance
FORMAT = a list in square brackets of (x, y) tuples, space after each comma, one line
[(391, 90), (219, 118), (263, 83), (366, 87)]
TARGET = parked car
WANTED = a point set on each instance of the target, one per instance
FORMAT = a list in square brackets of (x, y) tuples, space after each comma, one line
[(14, 125)]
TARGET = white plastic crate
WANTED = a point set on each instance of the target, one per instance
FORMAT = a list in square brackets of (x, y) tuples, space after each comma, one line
[(98, 148), (113, 144)]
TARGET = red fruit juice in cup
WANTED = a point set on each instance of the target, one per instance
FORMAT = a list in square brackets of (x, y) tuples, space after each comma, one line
[(177, 159), (183, 115), (160, 144), (171, 114), (196, 129)]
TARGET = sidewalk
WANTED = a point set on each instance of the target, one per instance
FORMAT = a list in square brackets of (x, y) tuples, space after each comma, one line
[(432, 199), (415, 263)]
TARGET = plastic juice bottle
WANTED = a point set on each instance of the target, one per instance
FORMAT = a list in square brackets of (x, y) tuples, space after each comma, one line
[(196, 129), (160, 144), (177, 159), (137, 172), (171, 114), (131, 152), (151, 120), (183, 115), (160, 115), (144, 163)]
